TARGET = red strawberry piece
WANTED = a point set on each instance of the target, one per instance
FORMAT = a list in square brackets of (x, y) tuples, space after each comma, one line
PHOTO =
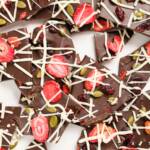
[(122, 74), (6, 51), (106, 132), (23, 15), (1, 148), (59, 70), (84, 14), (147, 46), (52, 91), (14, 41), (101, 25), (40, 128), (91, 76), (115, 45), (65, 89)]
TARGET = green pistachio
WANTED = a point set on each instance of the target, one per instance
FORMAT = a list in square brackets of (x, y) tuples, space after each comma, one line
[(139, 14), (97, 94), (131, 120), (2, 22), (53, 121), (135, 55), (143, 108), (21, 5), (70, 10), (51, 109), (38, 74), (112, 100), (136, 65), (83, 71)]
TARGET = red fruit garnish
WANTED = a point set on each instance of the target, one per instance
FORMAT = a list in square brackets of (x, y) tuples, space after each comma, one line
[(84, 14), (91, 76), (147, 46), (65, 89), (14, 41), (6, 51), (115, 45), (40, 128), (106, 135), (122, 74), (1, 148), (59, 70), (101, 25), (52, 91), (23, 15)]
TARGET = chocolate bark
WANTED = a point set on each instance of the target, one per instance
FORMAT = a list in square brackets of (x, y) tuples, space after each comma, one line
[(103, 51), (130, 14), (134, 69)]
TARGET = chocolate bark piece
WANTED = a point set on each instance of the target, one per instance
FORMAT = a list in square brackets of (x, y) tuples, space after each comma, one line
[(8, 124), (37, 146), (133, 15), (94, 105), (15, 10), (102, 43), (16, 58), (134, 69)]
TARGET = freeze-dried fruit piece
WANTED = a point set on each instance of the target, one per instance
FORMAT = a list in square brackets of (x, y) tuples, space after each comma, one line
[(52, 91), (95, 78), (57, 66), (6, 51), (115, 45), (84, 14), (40, 128), (14, 41)]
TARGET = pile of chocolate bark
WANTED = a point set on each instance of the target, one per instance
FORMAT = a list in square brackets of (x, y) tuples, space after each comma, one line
[(58, 87)]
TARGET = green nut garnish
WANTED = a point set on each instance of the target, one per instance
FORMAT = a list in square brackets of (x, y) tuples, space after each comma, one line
[(135, 55), (70, 10), (136, 65), (53, 121), (2, 22), (112, 100), (97, 94), (83, 71), (21, 5), (51, 109), (139, 14), (131, 120)]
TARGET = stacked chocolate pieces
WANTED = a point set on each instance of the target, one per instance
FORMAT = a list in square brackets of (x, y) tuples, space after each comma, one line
[(58, 88)]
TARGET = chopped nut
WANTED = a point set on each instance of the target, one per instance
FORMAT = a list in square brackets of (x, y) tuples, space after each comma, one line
[(53, 121), (51, 109), (131, 120), (112, 100), (97, 94), (83, 71)]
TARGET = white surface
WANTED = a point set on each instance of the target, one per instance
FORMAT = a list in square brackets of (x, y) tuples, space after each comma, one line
[(9, 94)]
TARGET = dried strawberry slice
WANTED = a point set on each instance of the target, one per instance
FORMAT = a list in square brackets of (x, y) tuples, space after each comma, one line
[(59, 70), (14, 41), (147, 46), (84, 14), (122, 74), (115, 45), (105, 131), (40, 128), (101, 25), (91, 76), (6, 51), (52, 91), (65, 89), (1, 148)]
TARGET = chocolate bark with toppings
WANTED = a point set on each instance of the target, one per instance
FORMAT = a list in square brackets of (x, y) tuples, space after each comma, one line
[(96, 93), (131, 14), (127, 129), (15, 58), (8, 125), (111, 43), (15, 10), (134, 68)]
